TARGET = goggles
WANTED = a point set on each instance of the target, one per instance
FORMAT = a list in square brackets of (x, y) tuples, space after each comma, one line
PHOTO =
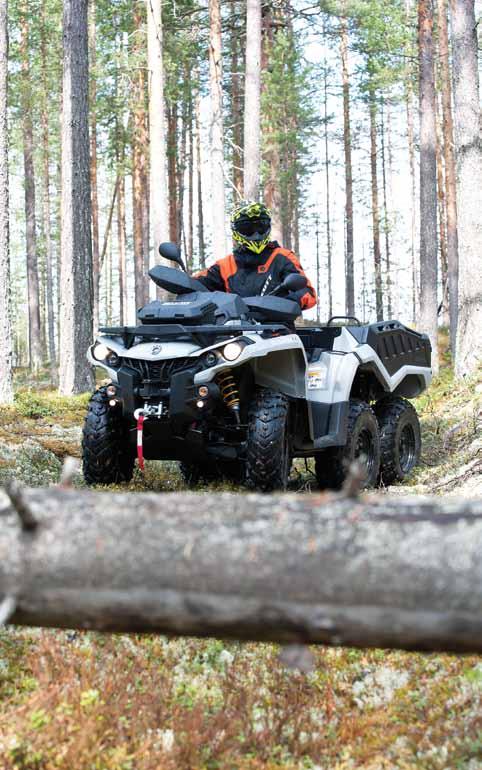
[(253, 227)]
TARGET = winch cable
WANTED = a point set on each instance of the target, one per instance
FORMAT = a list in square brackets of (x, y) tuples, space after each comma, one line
[(140, 441)]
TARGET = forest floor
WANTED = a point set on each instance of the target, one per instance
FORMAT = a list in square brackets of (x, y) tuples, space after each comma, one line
[(88, 701)]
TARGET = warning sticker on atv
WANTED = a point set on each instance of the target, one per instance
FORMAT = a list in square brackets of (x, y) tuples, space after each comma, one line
[(317, 378)]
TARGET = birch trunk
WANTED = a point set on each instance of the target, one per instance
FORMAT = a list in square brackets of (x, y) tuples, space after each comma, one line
[(76, 317), (386, 222), (6, 386), (122, 244), (216, 130), (328, 206), (272, 191), (428, 322), (450, 181), (371, 572), (349, 261), (172, 170), (33, 289), (468, 152), (252, 101), (157, 127)]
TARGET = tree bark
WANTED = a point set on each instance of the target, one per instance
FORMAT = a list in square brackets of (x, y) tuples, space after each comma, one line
[(468, 151), (348, 282), (172, 170), (349, 263), (386, 221), (411, 159), (272, 191), (122, 243), (49, 266), (93, 162), (377, 255), (428, 321), (252, 101), (216, 130), (369, 572), (157, 127), (450, 182), (140, 144), (76, 317), (6, 385), (236, 103), (33, 290), (199, 173), (442, 226)]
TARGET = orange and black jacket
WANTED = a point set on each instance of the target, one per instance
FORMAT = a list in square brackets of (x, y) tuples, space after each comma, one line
[(250, 275)]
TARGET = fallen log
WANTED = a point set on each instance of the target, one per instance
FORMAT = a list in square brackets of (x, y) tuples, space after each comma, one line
[(375, 571)]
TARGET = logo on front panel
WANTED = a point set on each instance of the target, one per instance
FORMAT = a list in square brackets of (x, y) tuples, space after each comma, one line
[(156, 349)]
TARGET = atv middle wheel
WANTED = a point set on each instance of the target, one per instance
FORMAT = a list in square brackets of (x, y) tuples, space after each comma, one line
[(400, 438), (268, 451), (106, 455), (363, 444)]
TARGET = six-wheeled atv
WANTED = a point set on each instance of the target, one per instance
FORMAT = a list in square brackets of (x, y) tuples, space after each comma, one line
[(230, 387)]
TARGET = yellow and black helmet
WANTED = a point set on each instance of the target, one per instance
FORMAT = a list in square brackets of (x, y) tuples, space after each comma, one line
[(251, 225)]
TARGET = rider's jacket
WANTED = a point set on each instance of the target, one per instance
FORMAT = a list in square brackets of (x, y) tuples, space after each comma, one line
[(250, 275)]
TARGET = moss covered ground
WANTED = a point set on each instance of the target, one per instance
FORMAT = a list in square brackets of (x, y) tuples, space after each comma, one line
[(86, 701)]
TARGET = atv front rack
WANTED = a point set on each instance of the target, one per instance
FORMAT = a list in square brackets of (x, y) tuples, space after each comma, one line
[(202, 335)]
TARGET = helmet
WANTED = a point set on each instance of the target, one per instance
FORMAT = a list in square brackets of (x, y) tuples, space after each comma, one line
[(251, 225)]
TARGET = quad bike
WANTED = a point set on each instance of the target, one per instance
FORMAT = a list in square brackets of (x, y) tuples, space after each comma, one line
[(231, 388)]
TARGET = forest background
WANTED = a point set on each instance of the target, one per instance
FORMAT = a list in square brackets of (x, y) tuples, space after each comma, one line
[(357, 121)]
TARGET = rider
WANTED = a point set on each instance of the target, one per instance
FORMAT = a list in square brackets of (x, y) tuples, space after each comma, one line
[(257, 265)]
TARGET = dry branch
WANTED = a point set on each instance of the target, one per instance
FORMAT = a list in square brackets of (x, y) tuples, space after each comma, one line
[(380, 571)]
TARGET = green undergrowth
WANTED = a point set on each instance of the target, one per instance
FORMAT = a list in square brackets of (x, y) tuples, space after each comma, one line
[(104, 702)]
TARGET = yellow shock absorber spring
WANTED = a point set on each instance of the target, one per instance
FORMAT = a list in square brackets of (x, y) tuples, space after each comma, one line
[(229, 389)]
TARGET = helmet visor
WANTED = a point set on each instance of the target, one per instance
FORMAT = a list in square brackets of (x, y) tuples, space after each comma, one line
[(253, 226)]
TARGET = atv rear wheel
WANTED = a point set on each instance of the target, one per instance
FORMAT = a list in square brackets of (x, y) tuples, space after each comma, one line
[(268, 451), (400, 439), (363, 445), (106, 455)]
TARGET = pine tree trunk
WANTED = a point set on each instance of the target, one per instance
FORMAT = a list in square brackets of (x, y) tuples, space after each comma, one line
[(49, 267), (181, 169), (428, 180), (157, 130), (328, 201), (272, 191), (140, 188), (377, 256), (6, 385), (450, 182), (411, 159), (236, 103), (76, 244), (172, 170), (122, 242), (216, 130), (468, 152), (349, 272), (93, 161), (442, 226), (252, 101), (190, 201), (199, 170), (33, 289), (386, 223)]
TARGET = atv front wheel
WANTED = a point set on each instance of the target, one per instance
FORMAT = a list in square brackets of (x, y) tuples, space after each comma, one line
[(106, 454), (400, 439), (268, 453), (363, 445)]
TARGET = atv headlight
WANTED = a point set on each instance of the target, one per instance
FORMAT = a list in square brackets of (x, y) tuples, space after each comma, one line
[(102, 353), (232, 350)]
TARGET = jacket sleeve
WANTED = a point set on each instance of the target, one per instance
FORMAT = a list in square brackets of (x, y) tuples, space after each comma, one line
[(211, 278), (306, 297)]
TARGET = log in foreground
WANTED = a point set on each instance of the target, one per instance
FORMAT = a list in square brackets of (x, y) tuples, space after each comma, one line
[(373, 571)]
